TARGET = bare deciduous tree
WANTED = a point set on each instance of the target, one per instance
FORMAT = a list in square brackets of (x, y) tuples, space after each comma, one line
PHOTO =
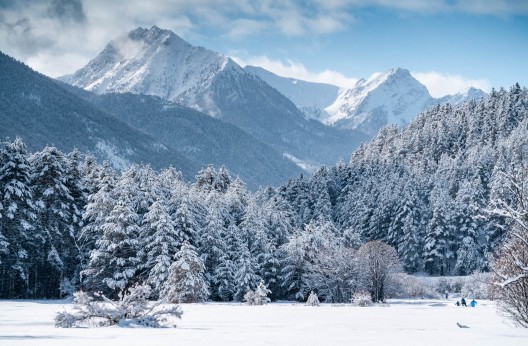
[(377, 263), (510, 268)]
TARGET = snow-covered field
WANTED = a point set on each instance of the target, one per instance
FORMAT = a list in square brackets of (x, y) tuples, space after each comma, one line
[(404, 322)]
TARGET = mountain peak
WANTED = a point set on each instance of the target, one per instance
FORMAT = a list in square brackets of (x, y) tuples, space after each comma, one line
[(151, 61), (399, 72), (155, 36), (392, 97)]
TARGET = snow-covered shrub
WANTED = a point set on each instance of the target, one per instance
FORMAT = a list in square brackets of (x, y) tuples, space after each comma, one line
[(131, 309), (313, 300), (451, 284), (362, 298), (249, 297), (259, 296), (477, 286), (442, 285), (408, 286), (457, 282)]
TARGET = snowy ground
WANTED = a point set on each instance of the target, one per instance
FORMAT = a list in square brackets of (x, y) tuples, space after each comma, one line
[(404, 322)]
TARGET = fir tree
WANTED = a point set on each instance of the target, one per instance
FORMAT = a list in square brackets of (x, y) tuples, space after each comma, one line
[(114, 261), (17, 217), (160, 244), (186, 282)]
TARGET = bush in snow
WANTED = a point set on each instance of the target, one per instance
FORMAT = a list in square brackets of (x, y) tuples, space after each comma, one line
[(132, 309), (451, 284), (259, 296), (312, 300), (362, 298), (477, 285), (249, 297), (408, 286)]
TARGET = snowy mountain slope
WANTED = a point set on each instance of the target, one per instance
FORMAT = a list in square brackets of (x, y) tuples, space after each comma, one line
[(458, 98), (393, 97), (35, 108), (159, 63), (152, 62), (310, 98), (198, 136)]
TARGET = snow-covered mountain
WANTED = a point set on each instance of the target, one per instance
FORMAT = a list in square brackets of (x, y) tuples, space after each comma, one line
[(458, 98), (158, 62), (393, 97), (41, 112), (155, 62), (128, 128)]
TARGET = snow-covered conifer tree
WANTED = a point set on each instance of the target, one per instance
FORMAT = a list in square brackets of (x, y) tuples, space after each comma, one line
[(438, 241), (293, 267), (100, 204), (114, 261), (213, 249), (159, 245), (261, 294), (224, 275), (17, 216), (245, 277), (186, 282), (312, 300), (56, 206)]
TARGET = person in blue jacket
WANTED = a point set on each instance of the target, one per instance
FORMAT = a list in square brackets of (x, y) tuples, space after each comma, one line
[(473, 303)]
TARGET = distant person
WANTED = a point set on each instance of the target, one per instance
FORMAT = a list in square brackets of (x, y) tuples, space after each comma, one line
[(473, 303), (457, 303), (463, 302), (447, 294)]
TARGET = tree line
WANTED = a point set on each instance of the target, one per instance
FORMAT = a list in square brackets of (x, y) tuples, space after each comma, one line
[(68, 222)]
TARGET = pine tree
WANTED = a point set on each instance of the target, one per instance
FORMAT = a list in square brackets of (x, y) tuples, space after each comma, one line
[(100, 204), (245, 277), (224, 275), (56, 207), (212, 243), (186, 219), (293, 267), (261, 294), (159, 245), (186, 282), (17, 217), (439, 232), (114, 261)]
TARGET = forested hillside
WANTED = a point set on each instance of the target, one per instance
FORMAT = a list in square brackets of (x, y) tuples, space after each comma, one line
[(36, 109), (68, 222), (423, 189)]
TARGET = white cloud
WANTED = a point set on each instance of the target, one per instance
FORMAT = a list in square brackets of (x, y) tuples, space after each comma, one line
[(498, 8), (446, 84), (241, 28), (297, 70)]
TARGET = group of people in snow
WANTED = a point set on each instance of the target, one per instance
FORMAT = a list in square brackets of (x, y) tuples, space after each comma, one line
[(462, 302)]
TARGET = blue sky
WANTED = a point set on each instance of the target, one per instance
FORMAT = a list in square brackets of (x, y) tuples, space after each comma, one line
[(447, 44)]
